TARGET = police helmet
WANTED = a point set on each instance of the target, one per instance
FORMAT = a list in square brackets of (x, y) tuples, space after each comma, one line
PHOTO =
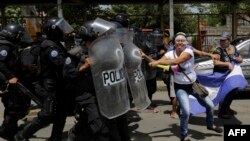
[(156, 37), (122, 18), (55, 28), (87, 32), (13, 32), (157, 32), (117, 24), (133, 28), (90, 30)]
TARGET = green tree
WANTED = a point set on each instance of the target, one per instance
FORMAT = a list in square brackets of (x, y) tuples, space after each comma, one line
[(13, 14)]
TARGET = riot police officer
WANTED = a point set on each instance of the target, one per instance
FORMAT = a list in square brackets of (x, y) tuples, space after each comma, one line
[(122, 22), (91, 124), (16, 105), (152, 47), (52, 58), (122, 18)]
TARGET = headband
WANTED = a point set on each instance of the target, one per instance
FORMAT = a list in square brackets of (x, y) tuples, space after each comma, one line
[(180, 37)]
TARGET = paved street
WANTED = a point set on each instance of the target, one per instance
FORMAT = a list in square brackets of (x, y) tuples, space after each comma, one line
[(148, 126)]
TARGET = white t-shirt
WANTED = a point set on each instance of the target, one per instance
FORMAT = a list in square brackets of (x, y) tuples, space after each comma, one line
[(179, 77)]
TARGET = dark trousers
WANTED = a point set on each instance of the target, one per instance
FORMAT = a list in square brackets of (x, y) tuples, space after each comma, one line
[(151, 86), (16, 107), (224, 105), (122, 126)]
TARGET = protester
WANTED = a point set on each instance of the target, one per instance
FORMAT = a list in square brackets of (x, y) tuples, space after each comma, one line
[(228, 57), (181, 60), (168, 78), (167, 42)]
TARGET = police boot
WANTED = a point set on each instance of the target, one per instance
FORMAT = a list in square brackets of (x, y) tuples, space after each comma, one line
[(104, 137), (71, 134), (57, 129), (19, 137), (9, 128), (75, 134), (71, 137), (54, 139), (29, 130)]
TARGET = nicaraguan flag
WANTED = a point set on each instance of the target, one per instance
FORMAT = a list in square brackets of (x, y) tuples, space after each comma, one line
[(218, 86)]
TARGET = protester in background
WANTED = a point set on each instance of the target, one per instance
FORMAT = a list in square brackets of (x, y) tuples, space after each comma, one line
[(182, 57), (211, 48), (168, 78), (228, 56)]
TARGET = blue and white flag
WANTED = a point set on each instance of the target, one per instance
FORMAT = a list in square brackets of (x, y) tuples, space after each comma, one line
[(218, 86)]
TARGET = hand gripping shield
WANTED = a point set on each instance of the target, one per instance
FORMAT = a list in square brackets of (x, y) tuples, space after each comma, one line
[(109, 76), (135, 76)]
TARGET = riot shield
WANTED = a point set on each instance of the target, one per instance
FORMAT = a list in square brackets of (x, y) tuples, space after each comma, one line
[(150, 50), (123, 35), (109, 76), (135, 76), (102, 27)]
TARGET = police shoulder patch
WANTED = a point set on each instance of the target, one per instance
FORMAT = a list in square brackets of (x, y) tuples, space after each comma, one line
[(67, 61), (54, 53), (3, 53)]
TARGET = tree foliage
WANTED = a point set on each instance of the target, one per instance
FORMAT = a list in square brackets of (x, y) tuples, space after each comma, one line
[(149, 16), (142, 15), (13, 13)]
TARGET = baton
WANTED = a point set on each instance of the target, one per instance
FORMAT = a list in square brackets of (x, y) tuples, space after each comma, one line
[(28, 93)]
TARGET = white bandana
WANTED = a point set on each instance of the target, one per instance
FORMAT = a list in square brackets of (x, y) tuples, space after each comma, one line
[(180, 37)]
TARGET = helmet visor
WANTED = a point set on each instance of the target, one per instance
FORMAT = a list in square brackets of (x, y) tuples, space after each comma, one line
[(156, 39), (64, 26), (102, 26)]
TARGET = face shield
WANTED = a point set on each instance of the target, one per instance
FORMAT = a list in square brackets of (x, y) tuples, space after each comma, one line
[(102, 27), (64, 26), (157, 39), (154, 40)]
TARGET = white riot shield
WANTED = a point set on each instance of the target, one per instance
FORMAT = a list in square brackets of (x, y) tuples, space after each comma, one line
[(136, 79), (109, 76)]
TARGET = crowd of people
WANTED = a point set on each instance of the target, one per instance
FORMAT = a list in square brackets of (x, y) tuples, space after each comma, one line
[(99, 76)]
